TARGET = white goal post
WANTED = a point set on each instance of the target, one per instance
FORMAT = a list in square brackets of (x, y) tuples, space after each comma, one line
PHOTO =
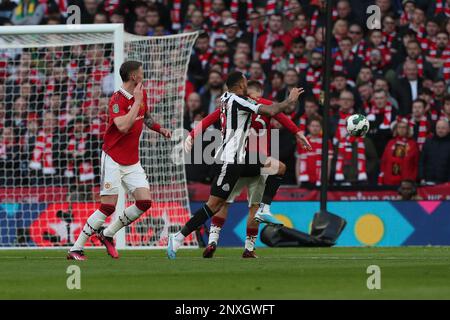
[(55, 84)]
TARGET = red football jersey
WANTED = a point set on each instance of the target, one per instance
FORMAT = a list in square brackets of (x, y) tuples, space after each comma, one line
[(124, 147)]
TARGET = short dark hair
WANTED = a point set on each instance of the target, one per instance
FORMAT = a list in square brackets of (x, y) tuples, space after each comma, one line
[(299, 40), (234, 78), (423, 102), (127, 68), (255, 85)]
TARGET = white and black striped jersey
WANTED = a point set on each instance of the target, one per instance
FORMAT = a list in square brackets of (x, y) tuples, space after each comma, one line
[(235, 119)]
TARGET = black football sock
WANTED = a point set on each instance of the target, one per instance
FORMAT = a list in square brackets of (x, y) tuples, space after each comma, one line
[(199, 218), (272, 185)]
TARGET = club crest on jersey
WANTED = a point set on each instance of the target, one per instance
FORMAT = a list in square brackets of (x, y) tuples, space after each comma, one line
[(115, 108), (107, 185), (226, 187), (251, 101)]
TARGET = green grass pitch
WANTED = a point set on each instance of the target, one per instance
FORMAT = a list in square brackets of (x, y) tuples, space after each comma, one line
[(294, 273)]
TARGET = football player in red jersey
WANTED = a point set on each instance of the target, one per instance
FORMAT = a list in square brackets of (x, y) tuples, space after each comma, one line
[(259, 195), (120, 165)]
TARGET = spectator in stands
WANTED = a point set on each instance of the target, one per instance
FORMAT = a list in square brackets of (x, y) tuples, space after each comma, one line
[(290, 81), (194, 112), (221, 55), (400, 159), (278, 60), (274, 32), (439, 90), (232, 34), (45, 157), (338, 121), (383, 84), (344, 11), (435, 156), (311, 111), (409, 59), (240, 62), (101, 17), (153, 20), (6, 11), (414, 53), (141, 27), (275, 84), (445, 113), (256, 72), (380, 114), (309, 163), (365, 75), (311, 79), (408, 191), (345, 60), (420, 122), (19, 118), (88, 10), (9, 156), (28, 12), (27, 145), (80, 151), (409, 87), (200, 60), (213, 89)]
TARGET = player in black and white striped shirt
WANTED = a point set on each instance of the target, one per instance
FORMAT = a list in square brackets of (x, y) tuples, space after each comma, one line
[(236, 112)]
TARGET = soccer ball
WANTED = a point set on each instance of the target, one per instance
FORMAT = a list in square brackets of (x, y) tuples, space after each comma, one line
[(357, 125)]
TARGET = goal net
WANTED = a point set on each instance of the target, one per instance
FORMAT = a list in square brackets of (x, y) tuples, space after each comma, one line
[(55, 84)]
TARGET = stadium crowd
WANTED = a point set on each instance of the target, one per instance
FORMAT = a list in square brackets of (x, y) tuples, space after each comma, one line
[(398, 76)]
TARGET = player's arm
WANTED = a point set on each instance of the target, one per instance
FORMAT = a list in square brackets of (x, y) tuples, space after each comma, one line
[(125, 122), (155, 126), (201, 127), (290, 125), (277, 108)]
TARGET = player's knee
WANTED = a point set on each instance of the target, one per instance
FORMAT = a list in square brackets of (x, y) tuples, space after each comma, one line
[(143, 205), (281, 168), (107, 209)]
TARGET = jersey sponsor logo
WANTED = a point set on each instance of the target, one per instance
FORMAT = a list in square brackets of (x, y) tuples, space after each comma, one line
[(115, 108)]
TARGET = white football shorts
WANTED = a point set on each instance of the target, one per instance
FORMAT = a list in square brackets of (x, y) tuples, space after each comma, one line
[(114, 174), (255, 189)]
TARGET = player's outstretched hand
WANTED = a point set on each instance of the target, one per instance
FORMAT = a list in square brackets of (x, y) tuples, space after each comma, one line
[(295, 94), (138, 93), (301, 139), (188, 144), (166, 133)]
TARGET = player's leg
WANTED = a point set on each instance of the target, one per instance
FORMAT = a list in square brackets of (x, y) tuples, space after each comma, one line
[(217, 222), (131, 213), (109, 190), (256, 188), (134, 180), (223, 184), (252, 233), (92, 226), (275, 170)]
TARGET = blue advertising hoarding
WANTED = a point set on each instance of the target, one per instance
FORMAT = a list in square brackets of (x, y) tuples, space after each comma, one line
[(369, 223)]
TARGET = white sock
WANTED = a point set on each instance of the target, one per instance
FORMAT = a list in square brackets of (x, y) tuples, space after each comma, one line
[(179, 239), (264, 208), (129, 215), (214, 233), (250, 243), (94, 222)]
